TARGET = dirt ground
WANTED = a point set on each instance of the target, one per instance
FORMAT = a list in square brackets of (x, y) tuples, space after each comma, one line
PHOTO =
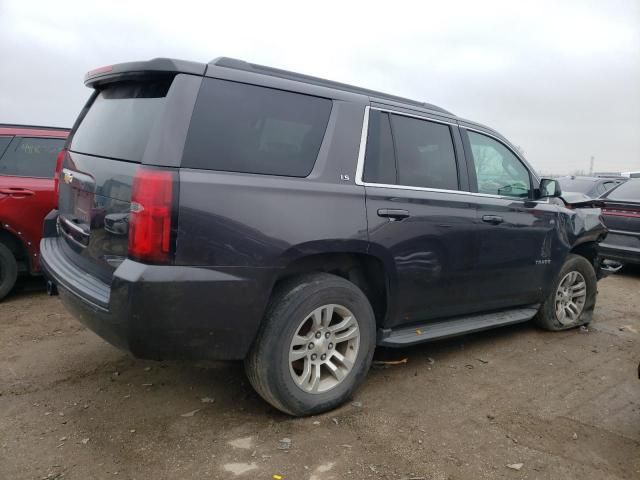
[(564, 405)]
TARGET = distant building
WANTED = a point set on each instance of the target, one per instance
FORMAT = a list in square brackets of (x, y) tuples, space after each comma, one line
[(607, 174)]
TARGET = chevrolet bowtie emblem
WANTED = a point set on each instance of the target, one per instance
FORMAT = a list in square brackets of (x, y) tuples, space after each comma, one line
[(67, 177)]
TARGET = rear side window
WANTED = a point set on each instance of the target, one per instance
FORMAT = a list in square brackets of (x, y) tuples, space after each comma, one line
[(425, 154), (31, 157), (380, 163), (245, 128), (629, 191), (606, 186), (120, 119)]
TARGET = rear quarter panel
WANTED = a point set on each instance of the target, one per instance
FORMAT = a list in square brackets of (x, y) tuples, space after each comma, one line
[(264, 221), (250, 227)]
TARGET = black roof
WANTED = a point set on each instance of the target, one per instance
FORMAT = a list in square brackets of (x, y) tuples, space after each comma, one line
[(300, 77), (109, 73)]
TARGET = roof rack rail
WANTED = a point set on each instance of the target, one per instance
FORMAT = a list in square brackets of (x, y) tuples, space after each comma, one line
[(300, 77)]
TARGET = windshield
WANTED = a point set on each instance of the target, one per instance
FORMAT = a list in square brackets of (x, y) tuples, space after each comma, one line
[(627, 192)]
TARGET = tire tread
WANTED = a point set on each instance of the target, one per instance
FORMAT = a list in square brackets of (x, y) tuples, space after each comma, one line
[(285, 294)]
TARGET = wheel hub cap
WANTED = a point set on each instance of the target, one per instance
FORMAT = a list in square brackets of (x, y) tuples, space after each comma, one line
[(324, 348)]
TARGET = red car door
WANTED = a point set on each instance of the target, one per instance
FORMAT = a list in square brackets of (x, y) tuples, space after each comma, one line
[(27, 168)]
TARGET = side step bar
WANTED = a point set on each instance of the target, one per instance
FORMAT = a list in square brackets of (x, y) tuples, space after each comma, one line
[(457, 326)]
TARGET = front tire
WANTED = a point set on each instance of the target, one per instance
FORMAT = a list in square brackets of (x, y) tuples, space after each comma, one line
[(315, 345), (572, 298), (8, 271)]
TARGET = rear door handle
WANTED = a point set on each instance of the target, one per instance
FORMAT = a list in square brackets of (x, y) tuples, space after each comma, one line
[(492, 219), (17, 192), (393, 214)]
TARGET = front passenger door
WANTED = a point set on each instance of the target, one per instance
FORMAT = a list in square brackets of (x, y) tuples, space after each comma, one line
[(515, 233)]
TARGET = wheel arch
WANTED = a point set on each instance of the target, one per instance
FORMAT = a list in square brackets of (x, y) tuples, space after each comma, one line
[(13, 242), (588, 250), (366, 271)]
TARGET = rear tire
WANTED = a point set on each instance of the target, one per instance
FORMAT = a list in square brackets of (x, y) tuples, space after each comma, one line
[(8, 271), (315, 345), (565, 307)]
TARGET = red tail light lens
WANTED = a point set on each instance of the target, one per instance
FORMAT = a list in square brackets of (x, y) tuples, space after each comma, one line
[(56, 178), (150, 216), (620, 212)]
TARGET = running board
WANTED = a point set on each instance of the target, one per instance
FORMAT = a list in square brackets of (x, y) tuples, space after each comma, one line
[(458, 326)]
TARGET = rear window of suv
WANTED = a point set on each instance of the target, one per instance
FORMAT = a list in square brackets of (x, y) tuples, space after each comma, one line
[(237, 127), (120, 119)]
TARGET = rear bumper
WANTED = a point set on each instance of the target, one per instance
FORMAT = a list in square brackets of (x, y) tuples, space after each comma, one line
[(164, 312), (619, 253)]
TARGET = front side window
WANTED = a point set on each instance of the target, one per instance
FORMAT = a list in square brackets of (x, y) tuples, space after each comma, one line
[(424, 153), (498, 170), (4, 143), (31, 157), (237, 127)]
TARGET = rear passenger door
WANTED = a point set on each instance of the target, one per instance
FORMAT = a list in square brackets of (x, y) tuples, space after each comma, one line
[(516, 234), (419, 217)]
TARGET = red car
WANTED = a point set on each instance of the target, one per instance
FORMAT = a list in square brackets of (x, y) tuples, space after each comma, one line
[(27, 193)]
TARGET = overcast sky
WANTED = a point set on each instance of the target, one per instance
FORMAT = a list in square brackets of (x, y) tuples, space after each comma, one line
[(560, 79)]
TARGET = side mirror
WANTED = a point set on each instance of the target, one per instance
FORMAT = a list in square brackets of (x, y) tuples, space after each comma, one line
[(549, 188)]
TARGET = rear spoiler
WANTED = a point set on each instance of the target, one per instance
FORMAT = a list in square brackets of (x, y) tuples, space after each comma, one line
[(156, 66)]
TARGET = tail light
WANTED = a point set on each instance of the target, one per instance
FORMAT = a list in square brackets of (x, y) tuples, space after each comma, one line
[(150, 215), (621, 212), (56, 178)]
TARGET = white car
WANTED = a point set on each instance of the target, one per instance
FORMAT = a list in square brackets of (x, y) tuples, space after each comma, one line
[(635, 174)]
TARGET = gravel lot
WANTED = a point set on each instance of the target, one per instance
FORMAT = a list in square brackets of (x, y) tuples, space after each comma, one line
[(564, 405)]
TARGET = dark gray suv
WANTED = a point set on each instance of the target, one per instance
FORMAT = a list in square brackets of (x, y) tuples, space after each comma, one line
[(239, 212)]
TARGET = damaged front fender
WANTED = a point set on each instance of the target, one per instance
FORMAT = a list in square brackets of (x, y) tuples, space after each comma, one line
[(582, 229)]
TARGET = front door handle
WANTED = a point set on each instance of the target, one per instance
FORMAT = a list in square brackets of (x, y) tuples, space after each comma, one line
[(393, 214), (17, 192), (492, 219)]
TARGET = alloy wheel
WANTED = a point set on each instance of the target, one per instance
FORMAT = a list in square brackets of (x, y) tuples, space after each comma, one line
[(570, 298), (324, 348)]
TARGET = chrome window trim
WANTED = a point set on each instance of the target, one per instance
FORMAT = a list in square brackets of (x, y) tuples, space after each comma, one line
[(420, 117), (363, 147)]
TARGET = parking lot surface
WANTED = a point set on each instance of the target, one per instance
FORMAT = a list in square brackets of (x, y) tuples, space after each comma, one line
[(511, 403)]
